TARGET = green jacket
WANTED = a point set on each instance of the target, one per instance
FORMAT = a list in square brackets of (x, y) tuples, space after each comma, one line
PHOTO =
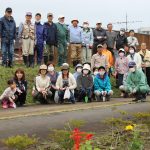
[(136, 80), (62, 33)]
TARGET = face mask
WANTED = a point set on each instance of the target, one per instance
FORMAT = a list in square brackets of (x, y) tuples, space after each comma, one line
[(95, 73), (79, 70), (37, 21), (85, 26), (102, 73), (121, 33), (131, 51), (121, 54), (85, 72), (132, 69), (50, 68)]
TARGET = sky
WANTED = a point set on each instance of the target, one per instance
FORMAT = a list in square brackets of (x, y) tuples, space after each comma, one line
[(105, 11)]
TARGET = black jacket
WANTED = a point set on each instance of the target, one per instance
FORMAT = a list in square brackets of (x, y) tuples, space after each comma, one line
[(121, 41), (50, 34)]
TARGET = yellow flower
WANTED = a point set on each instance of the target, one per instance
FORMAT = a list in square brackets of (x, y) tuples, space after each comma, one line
[(129, 128)]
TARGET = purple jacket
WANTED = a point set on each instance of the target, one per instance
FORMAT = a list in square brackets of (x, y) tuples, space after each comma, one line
[(39, 33)]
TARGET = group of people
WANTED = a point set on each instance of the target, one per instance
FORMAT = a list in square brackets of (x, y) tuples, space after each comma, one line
[(96, 54)]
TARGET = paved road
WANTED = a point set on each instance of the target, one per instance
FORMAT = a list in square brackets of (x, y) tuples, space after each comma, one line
[(40, 119)]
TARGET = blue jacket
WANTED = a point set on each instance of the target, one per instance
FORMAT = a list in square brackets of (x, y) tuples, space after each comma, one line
[(102, 84), (50, 33), (7, 29), (39, 33)]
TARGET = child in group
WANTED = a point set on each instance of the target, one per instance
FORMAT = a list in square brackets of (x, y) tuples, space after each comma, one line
[(8, 97), (95, 72), (102, 86), (21, 84), (85, 84)]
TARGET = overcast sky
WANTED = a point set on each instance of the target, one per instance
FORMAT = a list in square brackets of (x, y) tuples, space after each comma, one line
[(91, 10)]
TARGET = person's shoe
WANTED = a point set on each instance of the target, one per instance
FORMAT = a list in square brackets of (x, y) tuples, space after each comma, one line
[(10, 65), (108, 98), (5, 105), (12, 105), (104, 98)]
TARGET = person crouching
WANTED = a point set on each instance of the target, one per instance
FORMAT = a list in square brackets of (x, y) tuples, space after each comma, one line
[(66, 82), (8, 97), (102, 86), (41, 92), (85, 84)]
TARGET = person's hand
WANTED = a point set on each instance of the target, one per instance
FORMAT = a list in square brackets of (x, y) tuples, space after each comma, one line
[(134, 91), (90, 46), (44, 92), (99, 37), (143, 65), (62, 89)]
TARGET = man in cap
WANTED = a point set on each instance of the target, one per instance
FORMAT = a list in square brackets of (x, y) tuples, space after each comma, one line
[(99, 59), (136, 83), (99, 36), (27, 36), (7, 37), (75, 42), (50, 39), (63, 40), (39, 44), (87, 42)]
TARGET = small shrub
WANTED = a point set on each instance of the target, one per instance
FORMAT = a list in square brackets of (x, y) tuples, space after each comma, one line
[(20, 142)]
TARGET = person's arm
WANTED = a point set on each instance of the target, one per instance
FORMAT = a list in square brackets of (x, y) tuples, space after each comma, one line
[(58, 82), (5, 94), (79, 82), (97, 85), (91, 39), (73, 82), (15, 31), (20, 30), (92, 62), (91, 82), (108, 85), (0, 30), (56, 36), (37, 84), (139, 60)]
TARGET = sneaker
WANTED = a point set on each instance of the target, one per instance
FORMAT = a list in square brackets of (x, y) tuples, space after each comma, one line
[(104, 98), (5, 105), (12, 105), (108, 98)]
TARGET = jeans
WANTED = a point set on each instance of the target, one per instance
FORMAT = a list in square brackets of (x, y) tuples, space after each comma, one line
[(39, 50), (61, 96), (86, 54), (7, 52)]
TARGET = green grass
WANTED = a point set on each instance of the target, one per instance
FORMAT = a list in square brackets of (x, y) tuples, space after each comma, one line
[(8, 73)]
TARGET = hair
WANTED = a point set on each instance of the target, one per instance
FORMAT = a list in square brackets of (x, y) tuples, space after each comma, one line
[(95, 68), (67, 74), (38, 14), (131, 31), (50, 63), (21, 71), (42, 69), (10, 82), (109, 24)]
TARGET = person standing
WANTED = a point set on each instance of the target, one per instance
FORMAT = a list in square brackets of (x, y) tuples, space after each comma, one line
[(75, 42), (63, 40), (7, 37), (87, 42), (121, 41), (145, 55), (132, 40), (99, 59), (39, 44), (99, 36), (111, 38), (27, 37), (50, 39)]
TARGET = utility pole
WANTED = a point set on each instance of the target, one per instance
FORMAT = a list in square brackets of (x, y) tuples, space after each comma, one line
[(126, 22)]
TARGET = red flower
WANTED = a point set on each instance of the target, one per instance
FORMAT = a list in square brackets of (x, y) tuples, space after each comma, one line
[(89, 136)]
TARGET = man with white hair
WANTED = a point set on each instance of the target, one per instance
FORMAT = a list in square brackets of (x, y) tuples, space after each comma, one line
[(63, 39)]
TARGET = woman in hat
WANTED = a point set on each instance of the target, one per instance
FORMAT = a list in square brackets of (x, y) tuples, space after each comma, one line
[(85, 83), (134, 56), (64, 82), (102, 86), (121, 66), (41, 91)]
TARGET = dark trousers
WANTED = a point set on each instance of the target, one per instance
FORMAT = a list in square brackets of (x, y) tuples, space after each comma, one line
[(39, 50), (119, 80), (61, 96), (148, 75), (83, 93), (21, 99)]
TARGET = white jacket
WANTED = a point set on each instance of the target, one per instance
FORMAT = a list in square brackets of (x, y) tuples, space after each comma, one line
[(137, 59), (72, 82)]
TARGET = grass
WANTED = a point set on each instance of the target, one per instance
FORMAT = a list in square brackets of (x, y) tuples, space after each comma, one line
[(8, 73)]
